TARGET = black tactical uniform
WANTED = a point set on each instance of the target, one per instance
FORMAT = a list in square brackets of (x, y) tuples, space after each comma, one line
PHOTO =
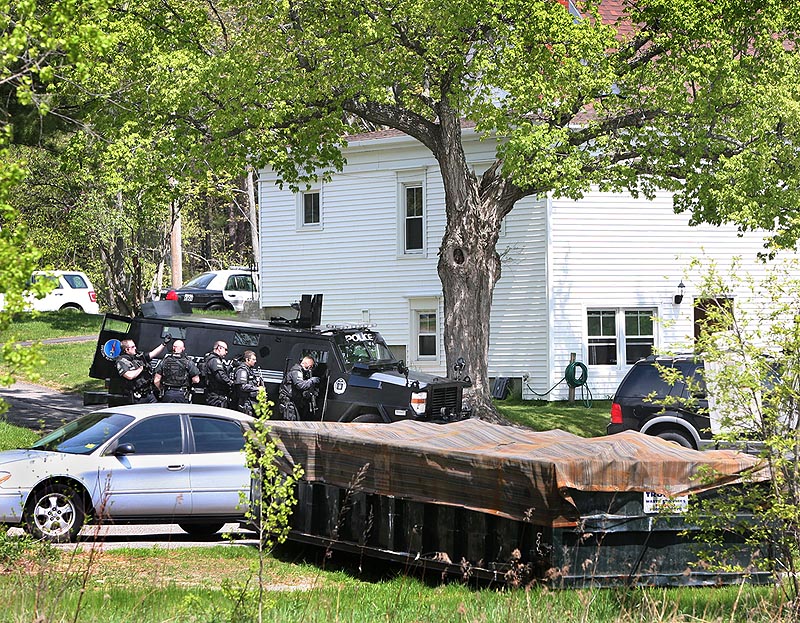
[(298, 394), (176, 377), (140, 389), (245, 388), (218, 380)]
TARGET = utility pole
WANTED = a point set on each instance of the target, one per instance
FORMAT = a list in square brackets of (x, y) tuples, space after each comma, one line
[(176, 248)]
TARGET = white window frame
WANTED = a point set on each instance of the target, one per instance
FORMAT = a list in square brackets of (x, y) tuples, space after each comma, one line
[(301, 209), (620, 336), (417, 308), (406, 181)]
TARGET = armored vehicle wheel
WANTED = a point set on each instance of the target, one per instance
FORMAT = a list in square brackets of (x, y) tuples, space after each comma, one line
[(369, 418)]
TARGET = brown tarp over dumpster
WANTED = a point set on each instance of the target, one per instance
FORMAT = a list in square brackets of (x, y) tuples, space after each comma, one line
[(503, 470)]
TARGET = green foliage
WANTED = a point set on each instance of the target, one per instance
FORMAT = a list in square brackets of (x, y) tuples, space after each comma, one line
[(272, 496), (752, 372), (18, 549)]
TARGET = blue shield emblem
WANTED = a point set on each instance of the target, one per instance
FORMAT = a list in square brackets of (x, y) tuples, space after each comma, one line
[(112, 349)]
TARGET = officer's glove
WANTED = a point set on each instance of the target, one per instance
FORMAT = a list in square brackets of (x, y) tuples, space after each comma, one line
[(167, 339), (315, 380)]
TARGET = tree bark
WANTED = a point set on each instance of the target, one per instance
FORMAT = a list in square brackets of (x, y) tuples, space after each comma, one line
[(469, 265)]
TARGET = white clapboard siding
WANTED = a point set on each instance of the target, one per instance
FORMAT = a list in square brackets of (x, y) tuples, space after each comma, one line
[(613, 251)]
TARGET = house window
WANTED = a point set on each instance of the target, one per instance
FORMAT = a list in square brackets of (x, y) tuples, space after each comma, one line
[(311, 210), (619, 335), (602, 337), (639, 337), (426, 334), (414, 219)]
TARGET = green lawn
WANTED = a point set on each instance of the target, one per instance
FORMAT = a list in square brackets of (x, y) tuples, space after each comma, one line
[(51, 324)]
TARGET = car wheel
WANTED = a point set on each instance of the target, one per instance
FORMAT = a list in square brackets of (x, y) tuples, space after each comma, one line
[(55, 514), (201, 530), (217, 307), (676, 437), (71, 309)]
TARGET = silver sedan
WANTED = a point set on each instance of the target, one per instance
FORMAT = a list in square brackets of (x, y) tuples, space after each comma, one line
[(157, 463)]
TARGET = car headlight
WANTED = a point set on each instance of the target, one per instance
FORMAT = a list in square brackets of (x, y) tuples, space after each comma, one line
[(4, 476)]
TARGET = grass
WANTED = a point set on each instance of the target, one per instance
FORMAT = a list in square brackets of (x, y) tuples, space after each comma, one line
[(219, 584), (15, 436), (574, 417), (51, 325)]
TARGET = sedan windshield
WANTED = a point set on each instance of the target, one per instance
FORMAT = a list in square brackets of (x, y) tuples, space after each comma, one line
[(364, 347), (84, 435)]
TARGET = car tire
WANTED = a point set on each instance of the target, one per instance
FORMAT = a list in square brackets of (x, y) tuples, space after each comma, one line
[(218, 307), (201, 530), (676, 437), (71, 309), (55, 513)]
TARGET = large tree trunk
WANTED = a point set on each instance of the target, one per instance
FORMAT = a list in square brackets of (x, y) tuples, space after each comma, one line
[(469, 265)]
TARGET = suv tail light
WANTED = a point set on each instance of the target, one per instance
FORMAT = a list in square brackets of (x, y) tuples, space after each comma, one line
[(616, 413), (171, 296), (93, 296)]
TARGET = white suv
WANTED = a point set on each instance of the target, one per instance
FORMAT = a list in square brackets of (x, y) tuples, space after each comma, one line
[(72, 292)]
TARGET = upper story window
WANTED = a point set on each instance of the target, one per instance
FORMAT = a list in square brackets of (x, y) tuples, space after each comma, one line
[(311, 208), (414, 219), (619, 335)]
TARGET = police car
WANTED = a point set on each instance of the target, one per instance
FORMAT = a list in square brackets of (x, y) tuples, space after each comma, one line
[(218, 290), (360, 379)]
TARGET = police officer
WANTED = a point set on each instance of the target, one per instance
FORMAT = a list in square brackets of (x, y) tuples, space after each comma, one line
[(298, 394), (245, 384), (175, 374), (134, 368), (217, 376)]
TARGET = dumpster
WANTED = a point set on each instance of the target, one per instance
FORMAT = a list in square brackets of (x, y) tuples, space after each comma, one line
[(507, 504)]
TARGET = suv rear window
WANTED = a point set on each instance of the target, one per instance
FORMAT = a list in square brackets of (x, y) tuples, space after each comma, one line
[(76, 281), (646, 379)]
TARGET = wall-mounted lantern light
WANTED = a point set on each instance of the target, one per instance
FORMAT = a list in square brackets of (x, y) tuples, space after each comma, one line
[(678, 298)]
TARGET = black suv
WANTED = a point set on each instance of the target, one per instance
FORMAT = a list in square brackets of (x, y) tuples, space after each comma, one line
[(665, 397)]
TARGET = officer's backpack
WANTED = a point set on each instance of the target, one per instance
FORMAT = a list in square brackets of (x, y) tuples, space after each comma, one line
[(174, 372)]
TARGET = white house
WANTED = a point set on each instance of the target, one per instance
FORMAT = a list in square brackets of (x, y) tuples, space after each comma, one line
[(585, 277)]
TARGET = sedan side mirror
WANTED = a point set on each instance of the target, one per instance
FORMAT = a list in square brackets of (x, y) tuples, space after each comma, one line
[(124, 448)]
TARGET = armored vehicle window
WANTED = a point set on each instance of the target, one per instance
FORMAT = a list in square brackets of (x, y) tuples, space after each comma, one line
[(177, 333), (363, 347), (245, 339)]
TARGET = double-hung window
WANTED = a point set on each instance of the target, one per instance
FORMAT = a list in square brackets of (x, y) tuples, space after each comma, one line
[(311, 209), (414, 219), (619, 335)]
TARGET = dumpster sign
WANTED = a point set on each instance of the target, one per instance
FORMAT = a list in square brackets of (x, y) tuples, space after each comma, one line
[(659, 504)]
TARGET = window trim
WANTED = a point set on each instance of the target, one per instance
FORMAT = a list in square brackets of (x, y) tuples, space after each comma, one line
[(418, 306), (620, 336), (406, 181)]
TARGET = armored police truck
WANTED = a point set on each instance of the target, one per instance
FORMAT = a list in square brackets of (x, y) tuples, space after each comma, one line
[(360, 379)]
